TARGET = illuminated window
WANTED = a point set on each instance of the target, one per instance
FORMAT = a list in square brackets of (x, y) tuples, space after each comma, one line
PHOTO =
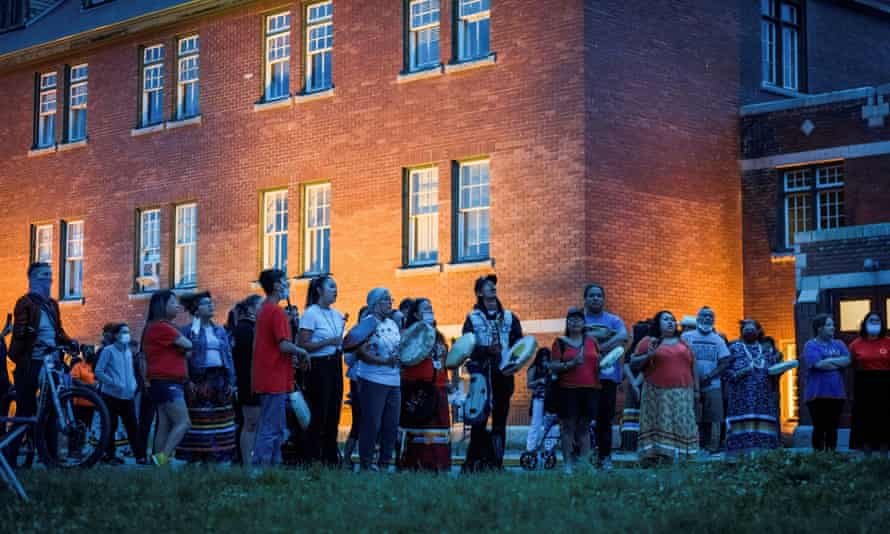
[(814, 200), (319, 46), (781, 49), (423, 34), (278, 56), (852, 313)]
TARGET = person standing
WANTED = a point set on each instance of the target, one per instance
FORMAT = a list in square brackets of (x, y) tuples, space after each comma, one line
[(117, 385), (321, 334), (575, 359), (166, 353), (274, 359), (824, 357), (211, 386), (870, 353), (610, 332), (711, 360), (242, 353), (496, 330), (37, 331), (752, 421), (379, 384), (667, 412)]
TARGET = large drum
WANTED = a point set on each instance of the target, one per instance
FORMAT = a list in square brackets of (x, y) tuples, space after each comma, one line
[(519, 355), (360, 333), (460, 350), (417, 343)]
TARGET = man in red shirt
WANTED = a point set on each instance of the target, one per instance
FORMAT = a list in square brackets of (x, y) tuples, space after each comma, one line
[(274, 358)]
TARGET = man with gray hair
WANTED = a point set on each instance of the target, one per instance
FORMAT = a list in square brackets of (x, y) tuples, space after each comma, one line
[(711, 359)]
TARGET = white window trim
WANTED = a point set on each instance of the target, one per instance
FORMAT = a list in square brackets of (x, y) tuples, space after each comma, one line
[(269, 254), (69, 260), (76, 83), (318, 229), (413, 218), (185, 56), (461, 245), (269, 65), (463, 20), (143, 215), (812, 190), (35, 254), (327, 19), (47, 88), (155, 63), (413, 34), (779, 25), (180, 248)]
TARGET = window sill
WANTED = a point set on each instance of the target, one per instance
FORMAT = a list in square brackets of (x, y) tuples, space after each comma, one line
[(317, 95), (776, 90), (783, 257), (471, 64), (171, 125), (272, 104), (35, 152), (145, 130), (418, 270), (72, 301), (72, 145), (481, 265), (425, 74)]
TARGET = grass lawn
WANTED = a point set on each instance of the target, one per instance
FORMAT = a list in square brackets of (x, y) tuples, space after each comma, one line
[(779, 492)]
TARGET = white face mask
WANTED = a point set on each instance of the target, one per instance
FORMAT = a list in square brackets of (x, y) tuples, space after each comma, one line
[(873, 329), (125, 339)]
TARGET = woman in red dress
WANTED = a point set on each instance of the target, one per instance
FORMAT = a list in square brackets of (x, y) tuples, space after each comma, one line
[(427, 445)]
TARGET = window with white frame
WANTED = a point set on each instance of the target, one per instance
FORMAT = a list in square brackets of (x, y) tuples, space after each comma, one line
[(473, 20), (780, 43), (423, 216), (319, 45), (43, 244), (814, 199), (187, 100), (185, 261), (277, 56), (317, 229), (423, 34), (152, 85), (46, 112), (73, 280), (275, 230), (473, 211), (149, 262), (77, 102)]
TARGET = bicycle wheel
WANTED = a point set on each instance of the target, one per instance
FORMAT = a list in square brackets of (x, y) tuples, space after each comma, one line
[(73, 443)]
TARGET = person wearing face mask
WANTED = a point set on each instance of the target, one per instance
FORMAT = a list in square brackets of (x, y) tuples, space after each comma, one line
[(37, 331), (428, 444), (117, 385), (242, 352), (212, 386), (379, 384), (870, 353), (751, 419), (824, 357), (321, 334), (711, 360), (496, 330), (667, 407)]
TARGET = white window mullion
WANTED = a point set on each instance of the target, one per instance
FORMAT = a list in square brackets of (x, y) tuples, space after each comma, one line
[(74, 260), (275, 229), (153, 85), (187, 93), (148, 277), (319, 45), (46, 114), (277, 58), (185, 261), (317, 233)]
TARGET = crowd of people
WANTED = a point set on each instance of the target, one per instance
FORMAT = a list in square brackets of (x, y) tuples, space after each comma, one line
[(220, 392)]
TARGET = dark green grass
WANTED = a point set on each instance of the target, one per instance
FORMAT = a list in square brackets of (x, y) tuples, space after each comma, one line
[(778, 492)]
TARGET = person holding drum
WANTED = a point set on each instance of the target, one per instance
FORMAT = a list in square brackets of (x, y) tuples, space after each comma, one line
[(667, 407), (379, 383), (751, 420), (321, 334), (427, 433), (610, 332), (496, 330), (575, 359)]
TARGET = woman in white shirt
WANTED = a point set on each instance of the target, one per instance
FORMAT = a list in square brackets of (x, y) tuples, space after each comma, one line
[(117, 385), (321, 334)]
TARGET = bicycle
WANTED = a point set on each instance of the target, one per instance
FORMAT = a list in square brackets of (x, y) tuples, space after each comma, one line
[(59, 437)]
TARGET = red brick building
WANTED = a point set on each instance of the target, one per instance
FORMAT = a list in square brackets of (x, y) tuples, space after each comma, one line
[(413, 145)]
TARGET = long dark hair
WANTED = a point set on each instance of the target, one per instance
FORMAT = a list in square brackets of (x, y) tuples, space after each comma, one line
[(414, 310), (656, 325), (157, 306), (863, 332), (315, 285)]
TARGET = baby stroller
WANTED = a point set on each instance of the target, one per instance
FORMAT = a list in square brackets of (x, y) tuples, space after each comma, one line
[(545, 450)]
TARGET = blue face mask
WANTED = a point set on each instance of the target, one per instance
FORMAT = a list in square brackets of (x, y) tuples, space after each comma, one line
[(41, 286)]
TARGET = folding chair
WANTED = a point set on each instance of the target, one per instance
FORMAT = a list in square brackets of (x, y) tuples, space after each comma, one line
[(6, 471)]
